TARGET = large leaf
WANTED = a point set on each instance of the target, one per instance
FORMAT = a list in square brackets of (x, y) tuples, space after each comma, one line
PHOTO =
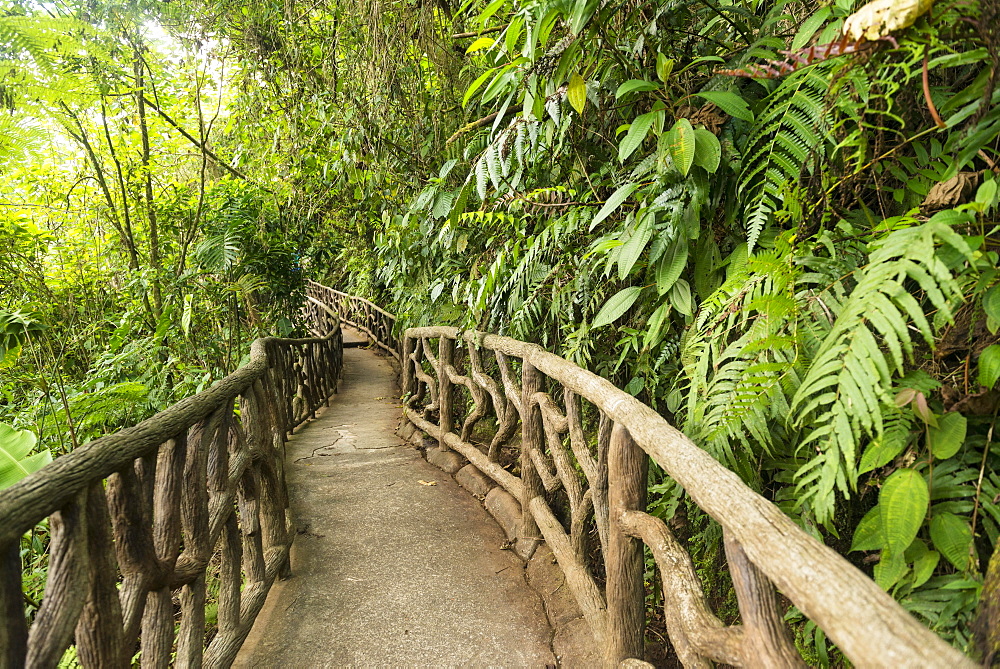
[(949, 435), (671, 265), (633, 85), (636, 134), (730, 103), (613, 203), (634, 246), (15, 463), (868, 533), (890, 568), (903, 503), (989, 365), (681, 144), (953, 537), (577, 93), (707, 150), (480, 44), (614, 308)]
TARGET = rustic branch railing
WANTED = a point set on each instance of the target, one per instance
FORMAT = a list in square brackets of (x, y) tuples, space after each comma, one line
[(146, 522), (585, 495), (360, 313)]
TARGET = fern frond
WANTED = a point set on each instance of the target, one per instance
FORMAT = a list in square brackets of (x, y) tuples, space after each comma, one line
[(843, 393), (792, 127)]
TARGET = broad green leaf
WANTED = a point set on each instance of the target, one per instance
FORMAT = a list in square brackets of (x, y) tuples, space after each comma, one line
[(633, 85), (680, 297), (489, 11), (654, 326), (614, 308), (953, 537), (634, 246), (577, 93), (187, 313), (475, 86), (989, 365), (924, 566), (991, 302), (890, 568), (809, 28), (707, 150), (613, 203), (731, 103), (903, 503), (868, 533), (681, 143), (949, 435), (880, 451), (636, 134), (671, 265), (15, 463), (664, 66)]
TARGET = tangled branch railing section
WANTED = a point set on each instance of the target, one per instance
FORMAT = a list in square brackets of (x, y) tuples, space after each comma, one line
[(152, 522), (573, 450), (360, 313)]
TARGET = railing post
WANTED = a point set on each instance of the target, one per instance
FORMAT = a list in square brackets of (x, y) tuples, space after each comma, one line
[(627, 470), (409, 375), (446, 358), (532, 437), (767, 643), (13, 629)]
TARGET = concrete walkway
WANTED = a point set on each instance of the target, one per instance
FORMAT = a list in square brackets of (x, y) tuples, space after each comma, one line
[(388, 570)]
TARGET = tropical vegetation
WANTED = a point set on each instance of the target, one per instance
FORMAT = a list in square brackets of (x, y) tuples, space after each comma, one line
[(773, 221)]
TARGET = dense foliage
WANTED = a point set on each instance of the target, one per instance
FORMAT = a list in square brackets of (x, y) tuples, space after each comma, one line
[(782, 239)]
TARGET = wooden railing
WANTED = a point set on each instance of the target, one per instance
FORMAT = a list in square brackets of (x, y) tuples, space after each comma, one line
[(581, 447), (360, 313), (149, 524)]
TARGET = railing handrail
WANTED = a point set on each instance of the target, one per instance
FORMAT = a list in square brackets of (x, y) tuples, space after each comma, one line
[(866, 623), (138, 515), (360, 313), (39, 494)]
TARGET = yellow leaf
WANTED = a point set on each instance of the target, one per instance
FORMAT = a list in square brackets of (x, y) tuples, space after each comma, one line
[(479, 44), (577, 93), (423, 482), (882, 17)]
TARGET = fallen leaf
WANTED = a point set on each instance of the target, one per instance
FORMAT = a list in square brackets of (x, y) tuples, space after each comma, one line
[(423, 482), (880, 18)]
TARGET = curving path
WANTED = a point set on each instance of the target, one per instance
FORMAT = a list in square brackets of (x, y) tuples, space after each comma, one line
[(388, 571)]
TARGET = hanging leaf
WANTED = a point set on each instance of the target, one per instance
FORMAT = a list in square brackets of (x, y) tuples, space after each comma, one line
[(989, 365), (654, 326), (924, 562), (15, 463), (949, 435), (636, 134), (664, 66), (731, 103), (707, 150), (671, 265), (903, 503), (681, 143), (633, 85), (613, 203), (680, 297), (868, 533), (635, 245), (953, 537), (889, 570), (480, 44), (614, 308), (577, 93)]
